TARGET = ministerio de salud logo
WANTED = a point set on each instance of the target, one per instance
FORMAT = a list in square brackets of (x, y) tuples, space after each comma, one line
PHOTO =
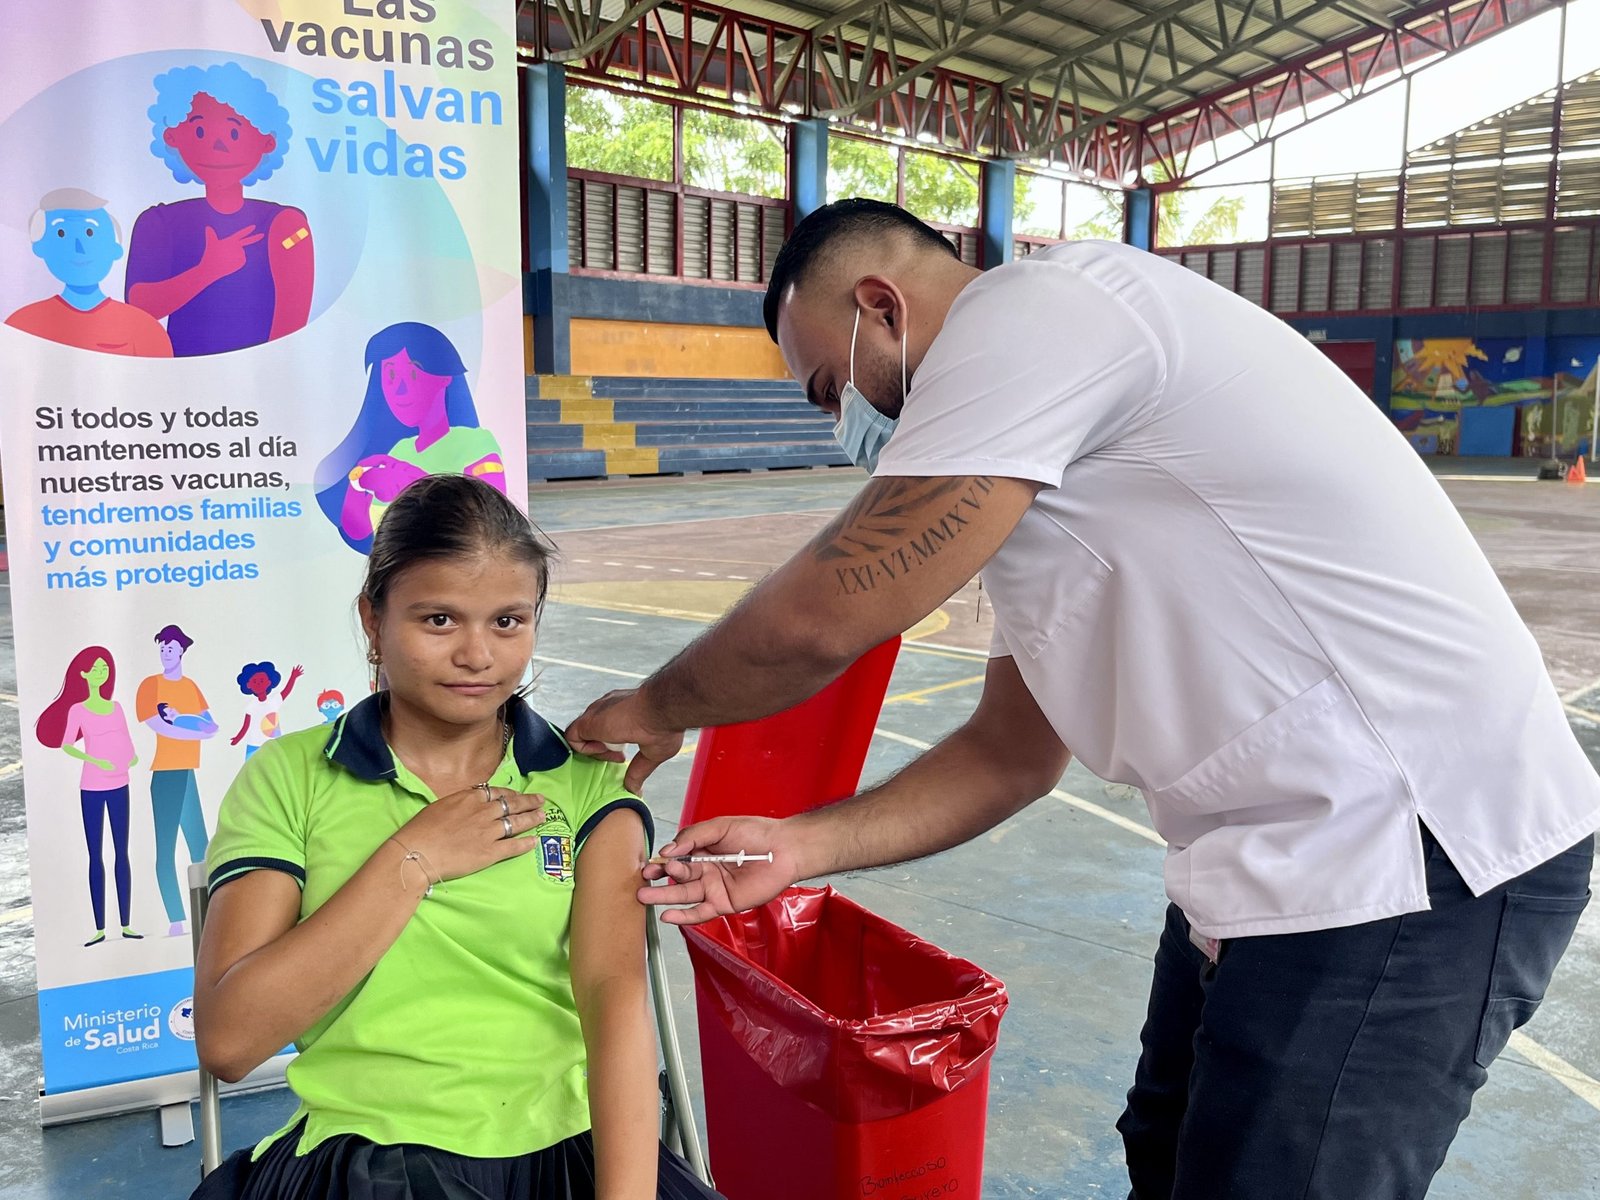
[(180, 1019)]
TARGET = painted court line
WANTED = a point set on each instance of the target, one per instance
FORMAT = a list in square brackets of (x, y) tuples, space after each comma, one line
[(1078, 802), (1568, 1076), (1493, 478), (10, 769), (964, 651), (920, 694), (610, 621), (13, 916), (793, 512), (936, 649), (1552, 1064), (583, 666), (1569, 698)]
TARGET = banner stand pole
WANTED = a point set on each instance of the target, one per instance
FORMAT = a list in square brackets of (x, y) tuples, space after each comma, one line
[(177, 1124)]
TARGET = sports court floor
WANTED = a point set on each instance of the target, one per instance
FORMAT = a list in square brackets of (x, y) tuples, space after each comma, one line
[(1063, 902)]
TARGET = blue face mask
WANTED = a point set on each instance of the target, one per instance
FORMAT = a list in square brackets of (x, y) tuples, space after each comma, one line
[(863, 431)]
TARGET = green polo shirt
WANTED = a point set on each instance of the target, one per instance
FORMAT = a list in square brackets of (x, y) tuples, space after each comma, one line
[(465, 1036)]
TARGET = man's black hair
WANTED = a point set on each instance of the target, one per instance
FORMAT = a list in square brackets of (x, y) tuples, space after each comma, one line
[(843, 218)]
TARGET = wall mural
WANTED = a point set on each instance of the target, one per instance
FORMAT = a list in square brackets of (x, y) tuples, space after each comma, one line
[(1496, 397)]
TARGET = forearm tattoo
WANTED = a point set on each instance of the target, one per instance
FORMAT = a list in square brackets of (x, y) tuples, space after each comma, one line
[(887, 532)]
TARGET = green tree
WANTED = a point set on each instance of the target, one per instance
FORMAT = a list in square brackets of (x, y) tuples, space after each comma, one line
[(860, 168), (632, 136), (733, 154), (1091, 212), (942, 189), (1198, 217), (939, 189), (620, 135), (1104, 221)]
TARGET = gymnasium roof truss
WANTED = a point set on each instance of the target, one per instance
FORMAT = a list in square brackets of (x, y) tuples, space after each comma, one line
[(1118, 91)]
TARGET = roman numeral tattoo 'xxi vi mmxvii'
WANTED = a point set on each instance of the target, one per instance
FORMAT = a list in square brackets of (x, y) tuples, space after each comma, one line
[(887, 531)]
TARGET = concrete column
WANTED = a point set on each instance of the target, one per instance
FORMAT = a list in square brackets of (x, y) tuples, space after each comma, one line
[(1139, 219), (544, 126), (999, 208), (808, 167)]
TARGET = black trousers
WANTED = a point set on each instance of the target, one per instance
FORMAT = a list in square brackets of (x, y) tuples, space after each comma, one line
[(354, 1168), (1338, 1064)]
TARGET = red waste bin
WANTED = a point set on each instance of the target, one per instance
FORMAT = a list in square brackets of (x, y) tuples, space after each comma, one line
[(805, 756), (843, 1056)]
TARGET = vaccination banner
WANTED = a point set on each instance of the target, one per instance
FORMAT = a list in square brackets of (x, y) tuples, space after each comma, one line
[(259, 270)]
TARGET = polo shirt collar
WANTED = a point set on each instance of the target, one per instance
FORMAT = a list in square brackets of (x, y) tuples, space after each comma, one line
[(357, 743)]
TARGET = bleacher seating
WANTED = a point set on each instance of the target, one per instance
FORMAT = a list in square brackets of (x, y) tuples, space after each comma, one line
[(581, 427)]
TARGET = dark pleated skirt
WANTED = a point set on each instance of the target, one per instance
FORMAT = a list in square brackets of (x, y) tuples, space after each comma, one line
[(351, 1168)]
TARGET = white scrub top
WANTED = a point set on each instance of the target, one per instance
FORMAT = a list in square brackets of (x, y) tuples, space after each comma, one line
[(1242, 592)]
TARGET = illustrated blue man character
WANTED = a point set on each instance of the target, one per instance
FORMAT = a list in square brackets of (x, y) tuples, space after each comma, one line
[(78, 239), (330, 704)]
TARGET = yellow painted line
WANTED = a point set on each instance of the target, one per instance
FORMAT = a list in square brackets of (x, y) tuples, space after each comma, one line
[(565, 387), (1585, 713), (614, 435), (648, 610), (7, 698), (918, 696), (585, 411), (15, 915), (641, 460), (1583, 1086), (953, 651), (936, 622), (941, 652), (10, 769)]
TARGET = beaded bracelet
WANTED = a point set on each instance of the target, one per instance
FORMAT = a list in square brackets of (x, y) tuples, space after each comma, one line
[(423, 865)]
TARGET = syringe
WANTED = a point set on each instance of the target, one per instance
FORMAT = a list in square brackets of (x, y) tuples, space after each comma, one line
[(737, 860)]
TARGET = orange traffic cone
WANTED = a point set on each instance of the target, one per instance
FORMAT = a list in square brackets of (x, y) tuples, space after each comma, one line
[(1576, 473)]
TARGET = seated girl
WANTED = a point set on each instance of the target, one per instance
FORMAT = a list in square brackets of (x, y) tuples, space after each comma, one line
[(435, 901)]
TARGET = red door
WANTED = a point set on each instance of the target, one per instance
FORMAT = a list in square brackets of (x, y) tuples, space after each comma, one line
[(1356, 359)]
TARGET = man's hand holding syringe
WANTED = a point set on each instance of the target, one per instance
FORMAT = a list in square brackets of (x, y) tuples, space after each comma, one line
[(725, 865)]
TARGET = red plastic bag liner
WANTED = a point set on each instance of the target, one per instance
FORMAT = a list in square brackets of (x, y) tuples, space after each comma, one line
[(815, 749), (842, 1054)]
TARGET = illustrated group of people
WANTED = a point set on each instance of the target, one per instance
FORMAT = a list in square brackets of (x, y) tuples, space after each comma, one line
[(227, 271), (87, 722), (1378, 852)]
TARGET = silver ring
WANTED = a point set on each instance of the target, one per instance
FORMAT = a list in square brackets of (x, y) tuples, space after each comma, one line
[(484, 788), (505, 808), (505, 823)]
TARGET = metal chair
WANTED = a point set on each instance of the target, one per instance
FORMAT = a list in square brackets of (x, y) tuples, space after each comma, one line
[(678, 1128)]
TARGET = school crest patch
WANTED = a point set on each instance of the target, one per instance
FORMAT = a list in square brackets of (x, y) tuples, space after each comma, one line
[(555, 845)]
